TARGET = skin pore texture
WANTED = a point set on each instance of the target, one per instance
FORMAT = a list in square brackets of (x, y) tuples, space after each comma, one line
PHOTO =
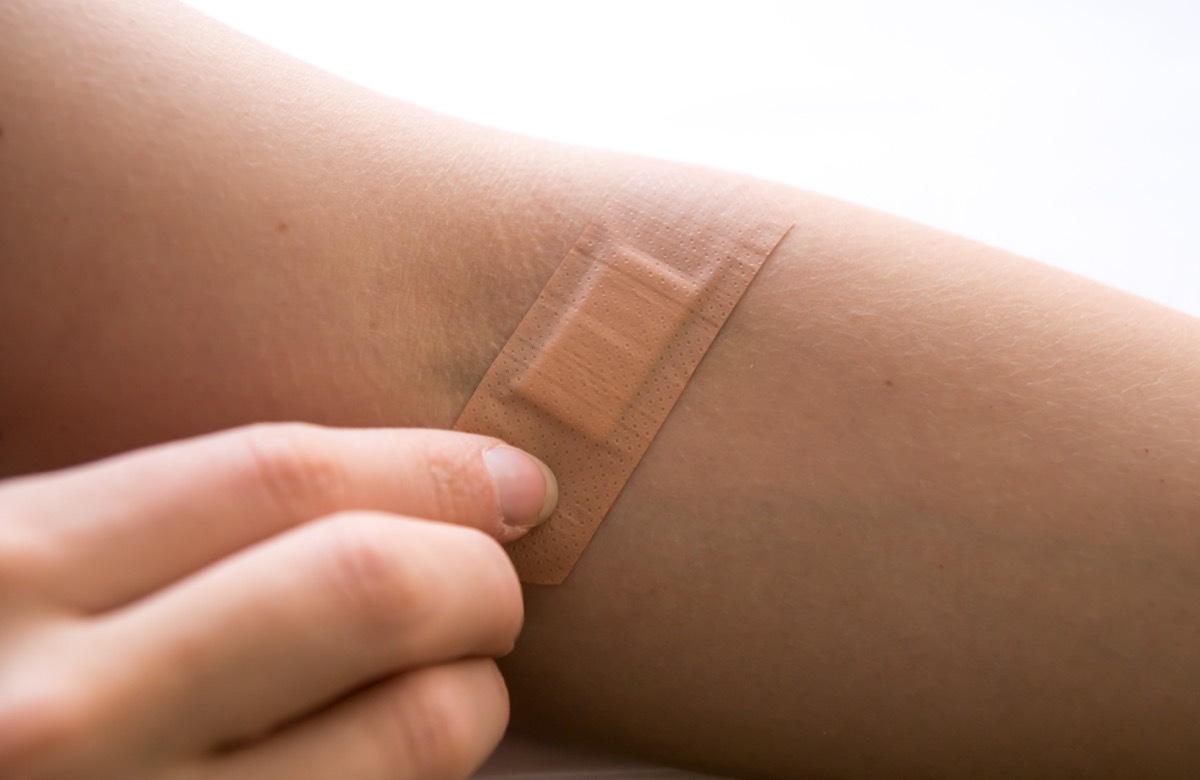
[(926, 508)]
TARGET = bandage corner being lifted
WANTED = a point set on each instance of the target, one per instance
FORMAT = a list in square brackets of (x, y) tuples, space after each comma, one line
[(594, 368)]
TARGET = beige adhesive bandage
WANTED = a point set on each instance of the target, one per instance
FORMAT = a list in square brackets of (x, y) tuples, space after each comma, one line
[(600, 359)]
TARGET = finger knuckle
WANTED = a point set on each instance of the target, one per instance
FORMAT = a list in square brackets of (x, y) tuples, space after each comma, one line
[(494, 575), (435, 728), (380, 591), (24, 551), (459, 488), (286, 464), (43, 722), (24, 561)]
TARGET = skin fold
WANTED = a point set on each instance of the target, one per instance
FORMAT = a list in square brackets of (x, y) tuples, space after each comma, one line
[(925, 509)]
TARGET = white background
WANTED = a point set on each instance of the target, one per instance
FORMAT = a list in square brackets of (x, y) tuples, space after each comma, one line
[(1065, 130)]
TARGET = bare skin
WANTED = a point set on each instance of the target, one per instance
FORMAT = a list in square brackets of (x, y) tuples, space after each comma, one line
[(926, 508), (270, 602)]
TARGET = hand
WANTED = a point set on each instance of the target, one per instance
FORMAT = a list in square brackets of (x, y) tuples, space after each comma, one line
[(262, 603)]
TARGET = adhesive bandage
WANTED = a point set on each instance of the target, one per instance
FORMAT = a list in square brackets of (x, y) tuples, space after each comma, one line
[(593, 369)]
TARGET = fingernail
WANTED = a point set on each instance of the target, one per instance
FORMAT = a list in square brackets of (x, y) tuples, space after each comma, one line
[(526, 488)]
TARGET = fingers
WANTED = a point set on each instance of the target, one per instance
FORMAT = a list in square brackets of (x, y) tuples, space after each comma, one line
[(432, 724), (297, 621), (219, 612), (121, 528)]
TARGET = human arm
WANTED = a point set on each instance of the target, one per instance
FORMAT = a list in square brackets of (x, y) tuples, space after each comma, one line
[(983, 565)]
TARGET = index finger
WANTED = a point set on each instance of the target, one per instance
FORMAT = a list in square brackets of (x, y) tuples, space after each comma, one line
[(117, 529)]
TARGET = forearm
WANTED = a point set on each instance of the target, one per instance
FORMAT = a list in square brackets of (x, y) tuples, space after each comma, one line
[(924, 507)]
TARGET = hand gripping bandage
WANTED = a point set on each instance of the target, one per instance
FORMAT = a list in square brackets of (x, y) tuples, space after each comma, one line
[(600, 359)]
